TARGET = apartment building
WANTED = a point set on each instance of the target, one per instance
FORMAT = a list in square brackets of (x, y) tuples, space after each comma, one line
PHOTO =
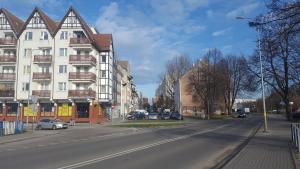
[(67, 66)]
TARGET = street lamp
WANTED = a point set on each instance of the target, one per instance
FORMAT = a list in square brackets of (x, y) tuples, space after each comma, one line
[(254, 24)]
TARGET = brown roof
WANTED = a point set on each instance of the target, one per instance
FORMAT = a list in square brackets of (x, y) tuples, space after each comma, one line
[(103, 41), (50, 24), (15, 23), (85, 26), (124, 64)]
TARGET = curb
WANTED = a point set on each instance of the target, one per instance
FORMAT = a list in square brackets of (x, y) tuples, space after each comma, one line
[(293, 155), (222, 163), (25, 138)]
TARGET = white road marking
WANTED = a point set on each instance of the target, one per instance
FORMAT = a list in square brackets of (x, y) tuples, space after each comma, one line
[(110, 156)]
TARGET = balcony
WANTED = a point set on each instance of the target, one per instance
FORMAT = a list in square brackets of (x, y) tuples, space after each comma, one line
[(7, 76), (41, 93), (82, 60), (8, 41), (7, 93), (37, 76), (8, 59), (42, 59), (79, 41), (82, 94), (82, 77)]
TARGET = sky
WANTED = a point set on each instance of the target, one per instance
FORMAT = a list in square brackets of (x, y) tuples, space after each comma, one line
[(147, 33)]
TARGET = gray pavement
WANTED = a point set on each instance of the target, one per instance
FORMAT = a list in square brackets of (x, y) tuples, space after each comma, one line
[(200, 145), (267, 150)]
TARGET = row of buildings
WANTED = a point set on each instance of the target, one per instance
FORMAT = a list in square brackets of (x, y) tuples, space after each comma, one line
[(64, 69)]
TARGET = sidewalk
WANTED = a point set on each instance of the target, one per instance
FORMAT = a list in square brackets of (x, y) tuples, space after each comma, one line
[(266, 150)]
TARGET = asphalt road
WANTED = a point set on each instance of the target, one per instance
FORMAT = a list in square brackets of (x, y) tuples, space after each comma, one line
[(200, 145)]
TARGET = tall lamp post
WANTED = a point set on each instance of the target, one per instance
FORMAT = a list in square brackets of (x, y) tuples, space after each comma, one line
[(254, 24)]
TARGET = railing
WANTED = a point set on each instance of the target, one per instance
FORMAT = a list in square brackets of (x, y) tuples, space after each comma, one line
[(8, 76), (41, 93), (295, 133), (79, 41), (7, 93), (82, 93), (82, 76), (82, 59), (8, 58), (6, 41), (41, 76), (42, 58)]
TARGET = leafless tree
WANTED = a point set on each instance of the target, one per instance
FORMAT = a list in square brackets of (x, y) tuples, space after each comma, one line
[(280, 32)]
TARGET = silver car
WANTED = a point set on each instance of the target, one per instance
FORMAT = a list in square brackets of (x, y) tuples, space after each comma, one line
[(51, 124)]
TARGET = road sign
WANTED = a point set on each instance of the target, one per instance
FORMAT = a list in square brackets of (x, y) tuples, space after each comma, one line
[(34, 99)]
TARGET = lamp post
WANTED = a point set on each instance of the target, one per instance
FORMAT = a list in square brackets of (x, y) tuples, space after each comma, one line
[(254, 24)]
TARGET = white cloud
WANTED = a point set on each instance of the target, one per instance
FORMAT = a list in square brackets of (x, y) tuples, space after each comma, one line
[(243, 10), (221, 32)]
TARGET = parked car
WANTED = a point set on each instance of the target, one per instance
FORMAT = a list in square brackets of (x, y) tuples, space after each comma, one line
[(165, 116), (143, 111), (296, 115), (51, 124), (242, 115), (176, 116), (135, 115), (153, 116)]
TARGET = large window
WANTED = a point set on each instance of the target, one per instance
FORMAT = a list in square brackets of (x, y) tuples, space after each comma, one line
[(44, 35), (62, 51), (62, 86), (62, 69), (26, 69), (103, 58), (12, 109), (25, 86), (27, 53), (103, 73), (102, 88), (47, 109), (64, 35), (28, 36)]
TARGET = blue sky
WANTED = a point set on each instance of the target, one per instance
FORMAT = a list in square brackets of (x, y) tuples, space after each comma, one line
[(149, 32)]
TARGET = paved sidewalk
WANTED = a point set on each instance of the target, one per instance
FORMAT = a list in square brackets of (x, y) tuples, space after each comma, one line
[(266, 150)]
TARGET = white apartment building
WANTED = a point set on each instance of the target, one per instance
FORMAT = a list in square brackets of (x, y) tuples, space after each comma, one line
[(67, 65)]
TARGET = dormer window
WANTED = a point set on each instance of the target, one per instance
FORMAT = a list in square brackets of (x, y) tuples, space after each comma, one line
[(28, 36), (44, 35)]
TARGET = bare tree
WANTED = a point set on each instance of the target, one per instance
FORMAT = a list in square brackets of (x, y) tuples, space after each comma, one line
[(280, 31), (204, 80), (235, 78)]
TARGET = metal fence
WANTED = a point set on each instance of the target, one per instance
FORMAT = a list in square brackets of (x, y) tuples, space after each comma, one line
[(9, 128)]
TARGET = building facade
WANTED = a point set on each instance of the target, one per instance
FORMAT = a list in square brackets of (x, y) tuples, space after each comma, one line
[(65, 69)]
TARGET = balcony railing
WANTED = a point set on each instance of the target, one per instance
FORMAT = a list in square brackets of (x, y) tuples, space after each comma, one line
[(82, 76), (7, 76), (7, 93), (8, 41), (82, 59), (8, 59), (79, 41), (41, 76), (82, 93), (41, 93), (42, 58)]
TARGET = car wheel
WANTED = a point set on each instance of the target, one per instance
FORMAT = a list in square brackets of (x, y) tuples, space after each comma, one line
[(39, 127), (54, 127)]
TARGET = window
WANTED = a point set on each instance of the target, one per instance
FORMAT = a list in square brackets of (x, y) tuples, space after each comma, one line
[(62, 86), (28, 36), (46, 51), (62, 69), (62, 51), (44, 35), (27, 53), (26, 69), (102, 88), (44, 86), (103, 58), (103, 73), (25, 87), (64, 35)]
